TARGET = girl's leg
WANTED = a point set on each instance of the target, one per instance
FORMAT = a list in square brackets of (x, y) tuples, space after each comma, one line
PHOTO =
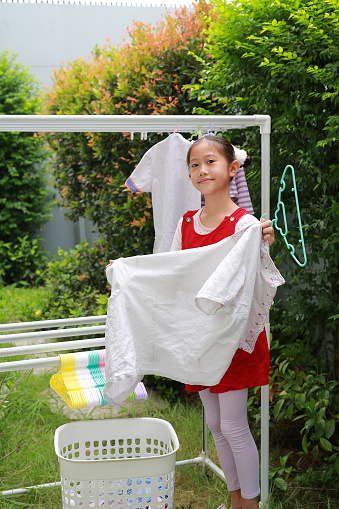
[(212, 409), (235, 429), (226, 416)]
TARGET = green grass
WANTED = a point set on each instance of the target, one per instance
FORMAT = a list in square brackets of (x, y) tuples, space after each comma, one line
[(28, 416), (21, 304)]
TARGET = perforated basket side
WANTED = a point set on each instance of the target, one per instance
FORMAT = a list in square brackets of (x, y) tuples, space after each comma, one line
[(124, 493), (107, 449)]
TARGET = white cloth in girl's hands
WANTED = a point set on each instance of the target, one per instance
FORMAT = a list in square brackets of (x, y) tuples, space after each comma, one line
[(183, 314)]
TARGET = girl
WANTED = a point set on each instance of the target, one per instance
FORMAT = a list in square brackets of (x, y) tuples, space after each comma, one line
[(212, 164)]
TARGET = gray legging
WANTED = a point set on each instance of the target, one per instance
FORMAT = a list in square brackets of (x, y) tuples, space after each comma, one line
[(226, 415)]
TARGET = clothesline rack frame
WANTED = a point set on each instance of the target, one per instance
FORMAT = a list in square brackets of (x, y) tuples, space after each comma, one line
[(168, 124)]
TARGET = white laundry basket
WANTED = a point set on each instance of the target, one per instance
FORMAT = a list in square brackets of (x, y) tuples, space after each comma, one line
[(117, 463)]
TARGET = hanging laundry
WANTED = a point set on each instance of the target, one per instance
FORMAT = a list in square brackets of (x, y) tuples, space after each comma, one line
[(81, 379), (177, 314), (239, 191), (163, 172)]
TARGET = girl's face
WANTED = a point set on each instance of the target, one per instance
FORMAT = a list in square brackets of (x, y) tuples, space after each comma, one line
[(209, 169)]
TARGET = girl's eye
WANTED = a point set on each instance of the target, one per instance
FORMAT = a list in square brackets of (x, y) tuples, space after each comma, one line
[(194, 165), (210, 161)]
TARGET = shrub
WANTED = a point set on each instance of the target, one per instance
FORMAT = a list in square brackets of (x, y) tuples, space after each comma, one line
[(21, 258), (304, 415), (307, 399), (24, 200), (144, 76), (76, 282), (280, 58)]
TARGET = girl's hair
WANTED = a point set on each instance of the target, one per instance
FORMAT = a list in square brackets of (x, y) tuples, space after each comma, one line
[(224, 146)]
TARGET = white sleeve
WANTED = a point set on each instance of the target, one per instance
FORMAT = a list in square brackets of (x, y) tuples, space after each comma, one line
[(177, 239), (141, 179), (238, 270)]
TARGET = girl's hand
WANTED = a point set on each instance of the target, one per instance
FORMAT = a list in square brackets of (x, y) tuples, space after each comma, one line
[(110, 263), (267, 231)]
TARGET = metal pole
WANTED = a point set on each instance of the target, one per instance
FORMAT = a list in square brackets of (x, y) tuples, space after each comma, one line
[(23, 491), (129, 123), (265, 209), (47, 324)]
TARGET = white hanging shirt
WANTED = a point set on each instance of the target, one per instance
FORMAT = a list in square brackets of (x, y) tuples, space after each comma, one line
[(163, 172), (183, 314)]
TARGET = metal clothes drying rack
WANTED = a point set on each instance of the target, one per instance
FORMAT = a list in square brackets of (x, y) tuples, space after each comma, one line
[(144, 124)]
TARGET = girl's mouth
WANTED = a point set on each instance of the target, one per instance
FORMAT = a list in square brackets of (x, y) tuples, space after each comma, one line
[(203, 181)]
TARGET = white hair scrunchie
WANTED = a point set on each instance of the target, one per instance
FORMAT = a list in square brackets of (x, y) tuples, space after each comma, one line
[(240, 155)]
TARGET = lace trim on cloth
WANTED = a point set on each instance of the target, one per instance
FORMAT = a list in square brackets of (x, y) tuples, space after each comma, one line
[(275, 279)]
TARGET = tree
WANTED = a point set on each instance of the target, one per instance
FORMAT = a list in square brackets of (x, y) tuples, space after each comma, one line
[(24, 199), (281, 58), (144, 76)]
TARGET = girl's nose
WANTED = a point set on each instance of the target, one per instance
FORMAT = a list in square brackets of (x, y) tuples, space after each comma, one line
[(202, 170)]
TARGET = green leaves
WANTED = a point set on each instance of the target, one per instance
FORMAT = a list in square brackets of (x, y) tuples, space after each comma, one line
[(309, 400), (280, 483), (18, 87), (281, 59), (325, 444), (25, 201), (276, 473), (329, 428), (145, 75), (76, 282)]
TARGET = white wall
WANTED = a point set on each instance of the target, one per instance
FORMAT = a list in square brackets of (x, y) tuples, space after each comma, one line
[(47, 35)]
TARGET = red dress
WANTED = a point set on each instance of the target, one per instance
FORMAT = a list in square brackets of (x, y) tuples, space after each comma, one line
[(246, 370)]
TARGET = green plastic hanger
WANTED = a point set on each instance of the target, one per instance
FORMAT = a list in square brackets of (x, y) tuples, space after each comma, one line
[(281, 206), (197, 133)]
